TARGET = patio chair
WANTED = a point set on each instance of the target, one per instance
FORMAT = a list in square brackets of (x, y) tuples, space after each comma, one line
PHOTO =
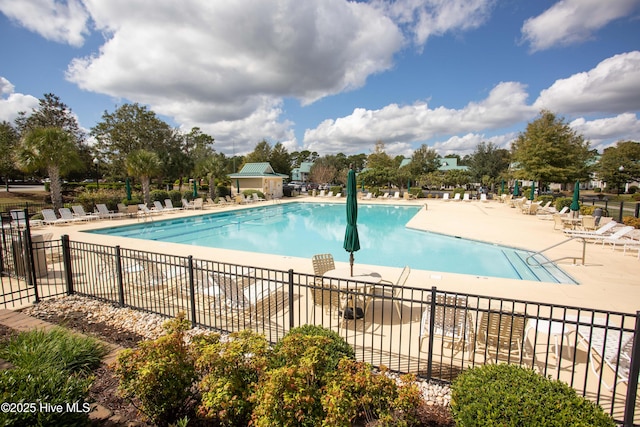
[(18, 219), (500, 331), (322, 263), (67, 215), (333, 302), (50, 218), (391, 292), (104, 212), (187, 205), (79, 211), (456, 197), (168, 204), (610, 347), (466, 197), (445, 197), (257, 198), (451, 321)]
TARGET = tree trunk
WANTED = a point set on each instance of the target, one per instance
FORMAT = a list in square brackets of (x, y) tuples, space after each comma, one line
[(145, 190), (56, 186)]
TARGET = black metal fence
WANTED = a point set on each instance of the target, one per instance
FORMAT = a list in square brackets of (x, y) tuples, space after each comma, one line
[(433, 333)]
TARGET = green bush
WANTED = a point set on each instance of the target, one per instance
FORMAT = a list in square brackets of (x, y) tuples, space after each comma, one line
[(458, 190), (250, 192), (561, 202), (417, 193), (496, 395), (545, 199), (597, 190), (336, 189), (336, 347), (159, 195), (229, 375), (175, 197), (632, 221), (160, 374)]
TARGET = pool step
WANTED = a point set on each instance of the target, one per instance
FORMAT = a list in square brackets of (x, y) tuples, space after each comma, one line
[(540, 268)]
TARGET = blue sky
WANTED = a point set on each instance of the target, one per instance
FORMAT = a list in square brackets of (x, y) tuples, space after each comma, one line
[(330, 75)]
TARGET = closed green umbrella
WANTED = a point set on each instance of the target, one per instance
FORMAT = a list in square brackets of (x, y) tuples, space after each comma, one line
[(516, 190), (127, 186), (502, 187), (195, 189), (533, 191), (351, 239), (575, 204)]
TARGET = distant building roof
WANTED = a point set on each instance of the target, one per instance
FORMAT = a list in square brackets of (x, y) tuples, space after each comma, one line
[(405, 162), (252, 170), (451, 163)]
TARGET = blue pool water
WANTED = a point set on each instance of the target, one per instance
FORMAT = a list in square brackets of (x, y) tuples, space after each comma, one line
[(305, 229)]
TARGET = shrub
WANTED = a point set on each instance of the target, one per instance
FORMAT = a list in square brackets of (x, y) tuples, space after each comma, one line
[(633, 189), (336, 189), (545, 199), (458, 190), (249, 193), (159, 195), (175, 196), (160, 374), (597, 190), (417, 193), (230, 371), (561, 202), (587, 209), (287, 350), (511, 395)]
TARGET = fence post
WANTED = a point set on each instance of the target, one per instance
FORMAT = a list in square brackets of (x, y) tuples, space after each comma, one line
[(30, 267), (66, 261), (192, 292), (432, 322), (620, 214), (119, 277), (291, 319), (634, 371)]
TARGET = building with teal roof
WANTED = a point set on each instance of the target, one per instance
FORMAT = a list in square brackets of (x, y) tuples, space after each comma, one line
[(260, 177)]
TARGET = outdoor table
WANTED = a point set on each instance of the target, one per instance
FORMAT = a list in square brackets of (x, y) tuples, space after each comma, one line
[(358, 283), (559, 331)]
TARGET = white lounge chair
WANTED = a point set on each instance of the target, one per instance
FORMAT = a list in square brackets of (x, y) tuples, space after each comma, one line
[(456, 197), (50, 218), (257, 198), (483, 197), (67, 215), (396, 195), (168, 204), (18, 219), (187, 205), (606, 229), (104, 212), (445, 197), (611, 349), (466, 197), (79, 212)]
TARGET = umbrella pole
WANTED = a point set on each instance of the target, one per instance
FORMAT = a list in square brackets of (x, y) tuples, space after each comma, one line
[(351, 262)]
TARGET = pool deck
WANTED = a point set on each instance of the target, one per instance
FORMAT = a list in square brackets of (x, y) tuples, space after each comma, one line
[(609, 280)]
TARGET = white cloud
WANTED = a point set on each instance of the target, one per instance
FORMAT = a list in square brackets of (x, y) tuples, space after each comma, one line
[(463, 145), (613, 86), (215, 62), (426, 18), (11, 103), (572, 21), (605, 132), (63, 22), (504, 106)]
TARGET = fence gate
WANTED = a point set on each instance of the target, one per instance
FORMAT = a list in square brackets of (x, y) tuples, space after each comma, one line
[(15, 267)]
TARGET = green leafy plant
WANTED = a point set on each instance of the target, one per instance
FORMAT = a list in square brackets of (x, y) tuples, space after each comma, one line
[(493, 395), (229, 374), (160, 374), (56, 348), (52, 371)]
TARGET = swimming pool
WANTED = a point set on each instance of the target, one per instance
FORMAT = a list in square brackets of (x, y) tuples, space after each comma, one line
[(304, 229)]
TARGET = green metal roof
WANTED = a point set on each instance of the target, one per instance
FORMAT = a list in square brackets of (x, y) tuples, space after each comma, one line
[(256, 170)]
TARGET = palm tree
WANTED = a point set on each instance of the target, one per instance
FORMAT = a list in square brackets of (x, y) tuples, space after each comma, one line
[(145, 165), (53, 149), (213, 168)]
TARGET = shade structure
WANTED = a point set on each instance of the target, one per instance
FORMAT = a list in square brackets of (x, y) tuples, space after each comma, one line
[(533, 191), (351, 239), (127, 187), (575, 204), (516, 190), (195, 188)]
